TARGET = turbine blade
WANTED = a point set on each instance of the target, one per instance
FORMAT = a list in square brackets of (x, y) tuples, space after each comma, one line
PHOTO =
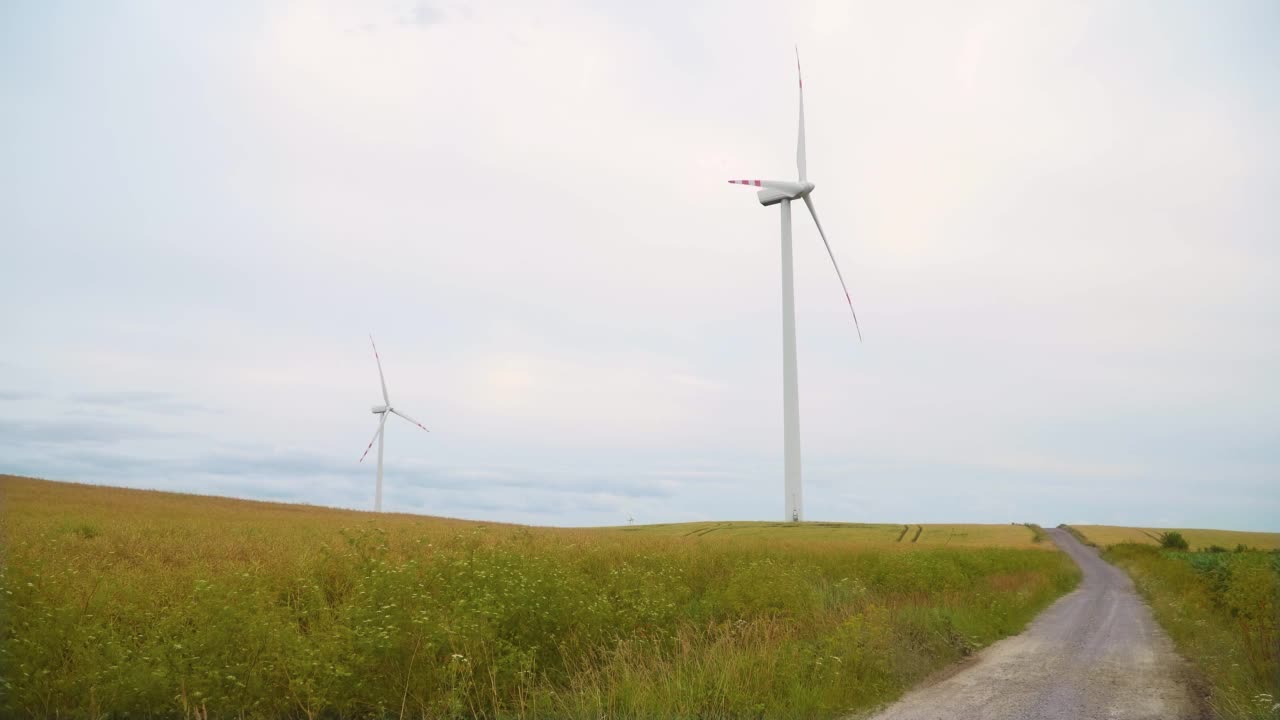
[(406, 417), (801, 163), (385, 398), (787, 186), (808, 202), (376, 433)]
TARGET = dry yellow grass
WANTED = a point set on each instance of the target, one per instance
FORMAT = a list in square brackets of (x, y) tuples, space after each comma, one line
[(1104, 535), (868, 535), (979, 536), (41, 500)]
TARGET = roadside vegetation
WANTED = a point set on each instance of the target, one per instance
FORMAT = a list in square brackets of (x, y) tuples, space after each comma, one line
[(120, 602), (1104, 535), (1038, 535), (1220, 606)]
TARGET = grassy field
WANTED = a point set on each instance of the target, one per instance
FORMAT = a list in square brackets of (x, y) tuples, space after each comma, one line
[(1221, 609), (882, 536), (1104, 535), (116, 602)]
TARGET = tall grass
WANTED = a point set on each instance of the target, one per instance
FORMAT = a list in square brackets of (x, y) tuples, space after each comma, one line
[(116, 602), (1222, 611)]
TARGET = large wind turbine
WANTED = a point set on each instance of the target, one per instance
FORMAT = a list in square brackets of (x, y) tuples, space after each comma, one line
[(382, 411), (773, 192)]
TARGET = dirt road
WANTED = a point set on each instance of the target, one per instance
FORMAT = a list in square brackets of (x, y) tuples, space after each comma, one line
[(1096, 653)]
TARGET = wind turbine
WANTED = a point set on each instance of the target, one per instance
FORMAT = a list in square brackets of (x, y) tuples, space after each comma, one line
[(774, 192), (382, 411)]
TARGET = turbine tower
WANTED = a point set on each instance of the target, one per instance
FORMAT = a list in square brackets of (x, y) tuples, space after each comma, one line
[(382, 411), (774, 192)]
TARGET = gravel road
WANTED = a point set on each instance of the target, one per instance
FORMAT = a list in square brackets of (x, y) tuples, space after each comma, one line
[(1096, 653)]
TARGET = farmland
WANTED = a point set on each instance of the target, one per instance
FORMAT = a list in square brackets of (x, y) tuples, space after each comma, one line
[(1105, 535), (160, 605), (885, 536)]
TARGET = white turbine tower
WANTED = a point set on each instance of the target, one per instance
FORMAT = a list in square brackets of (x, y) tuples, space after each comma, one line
[(382, 411), (773, 192)]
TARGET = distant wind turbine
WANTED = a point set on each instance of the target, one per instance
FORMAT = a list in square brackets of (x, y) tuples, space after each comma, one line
[(382, 411), (773, 192)]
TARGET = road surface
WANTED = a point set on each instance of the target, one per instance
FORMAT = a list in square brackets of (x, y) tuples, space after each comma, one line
[(1096, 653)]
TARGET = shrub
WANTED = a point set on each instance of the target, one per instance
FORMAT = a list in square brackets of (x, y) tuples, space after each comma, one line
[(1173, 540)]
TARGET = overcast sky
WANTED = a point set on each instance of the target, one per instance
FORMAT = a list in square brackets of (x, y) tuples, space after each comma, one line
[(1059, 222)]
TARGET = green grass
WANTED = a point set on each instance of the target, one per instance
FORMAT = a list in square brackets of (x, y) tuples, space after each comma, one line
[(118, 603), (1221, 610)]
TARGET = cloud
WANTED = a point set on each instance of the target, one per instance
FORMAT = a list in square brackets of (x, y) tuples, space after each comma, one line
[(70, 431), (145, 400), (1057, 224), (424, 14)]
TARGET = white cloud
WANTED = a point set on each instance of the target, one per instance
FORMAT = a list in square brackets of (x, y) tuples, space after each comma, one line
[(1056, 220)]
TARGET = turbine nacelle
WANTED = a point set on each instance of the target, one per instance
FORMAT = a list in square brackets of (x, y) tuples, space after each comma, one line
[(379, 409), (770, 196), (773, 192)]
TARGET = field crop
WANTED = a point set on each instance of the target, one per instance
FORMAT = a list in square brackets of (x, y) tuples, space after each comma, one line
[(880, 536), (1105, 535), (122, 602), (1221, 609)]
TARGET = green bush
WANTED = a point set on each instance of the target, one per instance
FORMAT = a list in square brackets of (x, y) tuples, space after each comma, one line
[(1173, 540)]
